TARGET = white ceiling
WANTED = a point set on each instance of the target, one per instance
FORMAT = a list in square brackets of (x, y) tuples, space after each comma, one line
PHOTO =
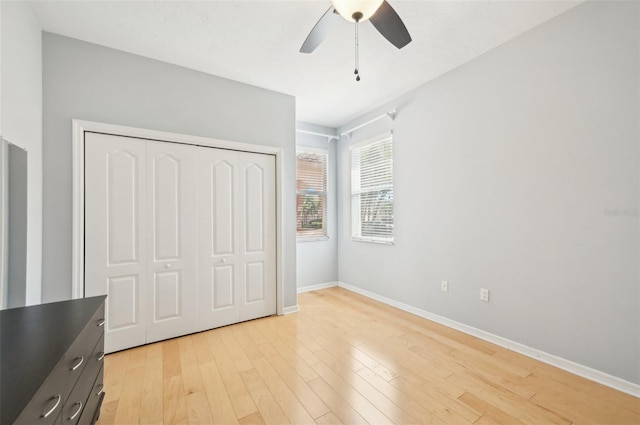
[(257, 42)]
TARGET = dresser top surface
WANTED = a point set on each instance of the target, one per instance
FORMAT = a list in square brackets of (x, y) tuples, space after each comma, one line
[(33, 340)]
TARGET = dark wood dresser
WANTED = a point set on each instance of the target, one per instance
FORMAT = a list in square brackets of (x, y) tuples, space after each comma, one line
[(51, 358)]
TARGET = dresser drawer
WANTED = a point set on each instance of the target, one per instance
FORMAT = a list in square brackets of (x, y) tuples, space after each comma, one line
[(46, 405), (80, 353), (91, 412), (76, 403), (95, 361)]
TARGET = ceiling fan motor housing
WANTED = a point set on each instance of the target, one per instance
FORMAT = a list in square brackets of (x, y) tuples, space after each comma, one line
[(356, 10)]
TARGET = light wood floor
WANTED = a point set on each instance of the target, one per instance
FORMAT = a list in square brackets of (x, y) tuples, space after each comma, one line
[(347, 359)]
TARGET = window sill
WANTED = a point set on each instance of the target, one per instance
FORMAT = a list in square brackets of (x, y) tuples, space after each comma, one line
[(376, 241), (312, 239)]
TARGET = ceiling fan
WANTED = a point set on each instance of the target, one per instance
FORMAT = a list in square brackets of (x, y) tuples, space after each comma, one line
[(379, 12)]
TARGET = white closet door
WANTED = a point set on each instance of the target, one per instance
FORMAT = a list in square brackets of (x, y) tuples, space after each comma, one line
[(115, 249), (181, 238), (171, 244), (237, 249)]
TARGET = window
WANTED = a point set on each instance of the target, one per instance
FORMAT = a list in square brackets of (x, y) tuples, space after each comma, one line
[(311, 193), (372, 191)]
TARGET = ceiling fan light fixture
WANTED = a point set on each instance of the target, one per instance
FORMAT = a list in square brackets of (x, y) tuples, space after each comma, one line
[(356, 10)]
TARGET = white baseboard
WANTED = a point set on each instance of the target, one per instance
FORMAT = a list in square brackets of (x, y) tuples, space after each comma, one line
[(568, 365), (290, 310), (309, 288)]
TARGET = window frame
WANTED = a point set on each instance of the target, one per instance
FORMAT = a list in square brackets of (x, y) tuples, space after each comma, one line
[(357, 236), (325, 228)]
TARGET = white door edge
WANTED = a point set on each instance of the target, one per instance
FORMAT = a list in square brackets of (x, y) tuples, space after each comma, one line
[(80, 127)]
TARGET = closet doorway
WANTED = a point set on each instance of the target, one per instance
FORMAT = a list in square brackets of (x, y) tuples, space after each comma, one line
[(180, 236)]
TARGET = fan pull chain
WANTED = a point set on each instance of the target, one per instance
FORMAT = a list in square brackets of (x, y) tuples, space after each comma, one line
[(357, 58)]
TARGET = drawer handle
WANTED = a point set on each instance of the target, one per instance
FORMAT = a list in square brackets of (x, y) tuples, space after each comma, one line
[(77, 412), (101, 322), (101, 356), (55, 406), (101, 386), (81, 358)]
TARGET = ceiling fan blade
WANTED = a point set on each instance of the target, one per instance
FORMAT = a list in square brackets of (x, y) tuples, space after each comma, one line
[(320, 31), (389, 24)]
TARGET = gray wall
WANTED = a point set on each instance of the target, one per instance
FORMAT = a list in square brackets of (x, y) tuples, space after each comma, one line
[(94, 83), (317, 261), (21, 119), (504, 171)]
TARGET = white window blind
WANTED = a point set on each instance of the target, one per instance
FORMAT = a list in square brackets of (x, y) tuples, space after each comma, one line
[(311, 194), (372, 191)]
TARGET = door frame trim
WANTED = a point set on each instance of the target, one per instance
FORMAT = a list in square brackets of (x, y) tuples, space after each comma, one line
[(80, 127)]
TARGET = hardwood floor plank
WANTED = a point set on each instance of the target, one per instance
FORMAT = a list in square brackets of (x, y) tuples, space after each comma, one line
[(295, 382), (248, 345), (359, 402), (288, 402), (238, 394), (222, 411), (347, 349), (137, 357), (338, 405), (413, 368), (445, 412), (404, 401), (486, 420), (174, 401), (269, 408), (201, 348), (170, 359), (253, 419), (151, 405), (198, 409), (503, 399), (594, 410), (130, 396), (296, 357), (545, 377), (298, 348), (384, 404), (236, 352), (328, 419), (341, 364), (191, 377), (489, 411)]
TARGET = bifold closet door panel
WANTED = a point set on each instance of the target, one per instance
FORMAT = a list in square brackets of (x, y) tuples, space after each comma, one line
[(218, 238), (172, 240), (237, 237), (115, 247), (257, 235)]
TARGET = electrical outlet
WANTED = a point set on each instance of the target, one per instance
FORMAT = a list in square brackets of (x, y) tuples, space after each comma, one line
[(484, 294), (444, 286)]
